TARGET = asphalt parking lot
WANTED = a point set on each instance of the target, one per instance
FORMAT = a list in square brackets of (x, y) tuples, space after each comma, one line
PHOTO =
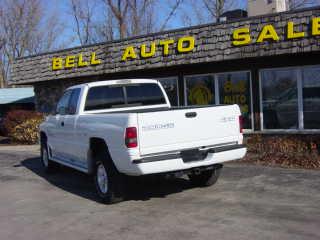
[(248, 202)]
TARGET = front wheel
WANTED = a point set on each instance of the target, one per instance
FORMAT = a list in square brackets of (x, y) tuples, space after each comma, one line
[(206, 178), (48, 165), (109, 182)]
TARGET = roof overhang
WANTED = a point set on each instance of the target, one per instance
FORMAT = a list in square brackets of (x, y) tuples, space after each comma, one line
[(269, 35)]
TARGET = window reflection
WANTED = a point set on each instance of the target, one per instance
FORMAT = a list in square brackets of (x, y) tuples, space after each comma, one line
[(170, 85), (311, 97), (279, 99)]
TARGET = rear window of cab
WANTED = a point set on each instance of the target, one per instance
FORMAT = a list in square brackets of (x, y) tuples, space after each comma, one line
[(106, 97)]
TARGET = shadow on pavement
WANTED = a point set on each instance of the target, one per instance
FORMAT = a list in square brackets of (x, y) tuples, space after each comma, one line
[(138, 188)]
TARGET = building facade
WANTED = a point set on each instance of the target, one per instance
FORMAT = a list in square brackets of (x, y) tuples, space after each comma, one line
[(269, 65), (260, 7)]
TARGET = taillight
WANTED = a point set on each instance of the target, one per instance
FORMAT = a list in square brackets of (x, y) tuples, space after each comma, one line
[(241, 123), (131, 137)]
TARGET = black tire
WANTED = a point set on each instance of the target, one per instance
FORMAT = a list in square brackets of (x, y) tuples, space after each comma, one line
[(115, 183), (48, 165), (206, 178)]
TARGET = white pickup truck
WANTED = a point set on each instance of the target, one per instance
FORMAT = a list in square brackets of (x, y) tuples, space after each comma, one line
[(111, 129)]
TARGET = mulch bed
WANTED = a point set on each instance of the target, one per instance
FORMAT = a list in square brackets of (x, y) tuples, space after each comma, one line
[(311, 161), (289, 151)]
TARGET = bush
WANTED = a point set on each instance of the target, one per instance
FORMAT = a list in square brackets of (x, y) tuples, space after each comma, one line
[(296, 151), (16, 117), (23, 126), (27, 132)]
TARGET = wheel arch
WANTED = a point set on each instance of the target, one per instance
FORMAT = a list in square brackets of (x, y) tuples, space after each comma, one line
[(96, 146)]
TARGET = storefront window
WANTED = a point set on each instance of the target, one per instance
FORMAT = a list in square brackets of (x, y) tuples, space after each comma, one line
[(234, 88), (279, 99), (291, 98), (170, 85), (311, 97), (200, 90)]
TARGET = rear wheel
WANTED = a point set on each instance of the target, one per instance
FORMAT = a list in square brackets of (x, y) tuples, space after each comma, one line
[(206, 178), (109, 182), (48, 165)]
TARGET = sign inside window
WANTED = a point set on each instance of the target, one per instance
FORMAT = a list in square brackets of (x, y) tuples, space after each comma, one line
[(200, 90), (234, 88)]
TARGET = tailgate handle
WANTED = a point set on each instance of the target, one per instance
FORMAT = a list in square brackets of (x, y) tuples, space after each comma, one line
[(191, 114)]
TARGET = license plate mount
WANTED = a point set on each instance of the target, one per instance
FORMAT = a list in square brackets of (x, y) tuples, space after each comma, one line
[(192, 155)]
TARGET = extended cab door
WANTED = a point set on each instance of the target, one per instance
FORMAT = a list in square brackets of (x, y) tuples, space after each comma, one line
[(66, 145), (68, 126), (55, 138)]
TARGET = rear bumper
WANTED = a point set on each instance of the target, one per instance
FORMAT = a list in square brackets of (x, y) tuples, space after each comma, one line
[(174, 162)]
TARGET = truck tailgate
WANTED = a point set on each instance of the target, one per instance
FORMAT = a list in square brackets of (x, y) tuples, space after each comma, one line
[(177, 129)]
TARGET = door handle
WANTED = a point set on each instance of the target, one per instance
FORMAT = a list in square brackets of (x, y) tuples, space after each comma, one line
[(191, 114), (62, 124)]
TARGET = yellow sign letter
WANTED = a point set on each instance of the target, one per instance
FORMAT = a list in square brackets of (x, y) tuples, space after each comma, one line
[(56, 63), (70, 62), (315, 26), (82, 63), (93, 60), (151, 53), (290, 32), (268, 32), (129, 53), (165, 44), (241, 36), (185, 44)]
